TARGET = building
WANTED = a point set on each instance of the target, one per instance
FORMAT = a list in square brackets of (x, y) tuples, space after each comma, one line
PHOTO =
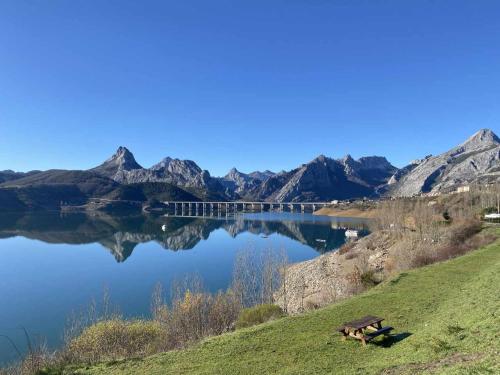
[(463, 189)]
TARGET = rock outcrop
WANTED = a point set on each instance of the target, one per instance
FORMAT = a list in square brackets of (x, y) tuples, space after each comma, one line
[(324, 179), (123, 168), (241, 183), (118, 165), (333, 276), (475, 160)]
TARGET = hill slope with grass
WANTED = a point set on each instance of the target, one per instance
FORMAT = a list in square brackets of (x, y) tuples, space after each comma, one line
[(446, 319)]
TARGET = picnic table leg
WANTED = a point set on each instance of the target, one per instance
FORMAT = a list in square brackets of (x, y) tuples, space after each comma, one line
[(361, 336), (344, 335)]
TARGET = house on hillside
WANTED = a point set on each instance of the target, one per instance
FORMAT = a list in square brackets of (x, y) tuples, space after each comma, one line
[(463, 189)]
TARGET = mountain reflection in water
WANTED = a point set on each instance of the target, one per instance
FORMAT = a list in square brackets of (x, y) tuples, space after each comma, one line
[(121, 234), (45, 281)]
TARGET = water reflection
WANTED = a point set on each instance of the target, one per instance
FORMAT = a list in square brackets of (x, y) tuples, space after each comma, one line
[(42, 282), (121, 234)]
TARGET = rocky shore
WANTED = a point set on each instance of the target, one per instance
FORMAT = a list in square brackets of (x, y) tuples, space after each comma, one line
[(335, 276)]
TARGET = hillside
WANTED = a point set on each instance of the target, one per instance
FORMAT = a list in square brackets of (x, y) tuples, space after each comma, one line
[(475, 160), (151, 190), (47, 190), (432, 332), (10, 175), (324, 179)]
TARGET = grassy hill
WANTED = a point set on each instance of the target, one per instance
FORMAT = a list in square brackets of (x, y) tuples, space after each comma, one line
[(446, 318)]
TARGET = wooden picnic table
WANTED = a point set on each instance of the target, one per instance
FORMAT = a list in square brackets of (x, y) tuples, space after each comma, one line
[(358, 329)]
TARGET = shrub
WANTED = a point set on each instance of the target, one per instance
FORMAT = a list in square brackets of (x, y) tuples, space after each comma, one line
[(258, 314), (370, 278), (464, 231), (423, 259), (116, 339)]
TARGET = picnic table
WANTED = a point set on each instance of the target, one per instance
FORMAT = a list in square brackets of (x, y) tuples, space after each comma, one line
[(364, 329)]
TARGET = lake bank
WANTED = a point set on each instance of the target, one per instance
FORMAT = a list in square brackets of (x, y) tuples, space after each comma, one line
[(369, 213), (429, 332)]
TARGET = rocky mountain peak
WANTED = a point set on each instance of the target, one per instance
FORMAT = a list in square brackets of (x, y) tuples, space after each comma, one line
[(122, 160), (233, 171), (481, 140), (347, 159), (376, 162), (484, 137), (262, 176), (475, 160), (321, 157), (164, 163)]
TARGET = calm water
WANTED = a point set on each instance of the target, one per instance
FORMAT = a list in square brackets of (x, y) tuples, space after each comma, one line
[(53, 264)]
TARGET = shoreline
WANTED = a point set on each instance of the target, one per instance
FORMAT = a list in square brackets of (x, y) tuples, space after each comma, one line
[(370, 213)]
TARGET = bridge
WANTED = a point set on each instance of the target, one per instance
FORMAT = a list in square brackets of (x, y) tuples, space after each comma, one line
[(210, 208)]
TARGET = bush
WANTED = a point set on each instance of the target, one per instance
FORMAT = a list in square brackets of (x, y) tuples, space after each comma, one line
[(370, 278), (116, 339), (258, 314), (464, 231)]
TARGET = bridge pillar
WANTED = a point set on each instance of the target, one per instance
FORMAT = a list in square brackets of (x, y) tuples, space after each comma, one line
[(261, 207)]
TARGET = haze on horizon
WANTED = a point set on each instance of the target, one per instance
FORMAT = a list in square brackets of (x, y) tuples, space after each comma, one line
[(257, 86)]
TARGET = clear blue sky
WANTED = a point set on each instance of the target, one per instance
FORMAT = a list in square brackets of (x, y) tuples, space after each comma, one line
[(252, 84)]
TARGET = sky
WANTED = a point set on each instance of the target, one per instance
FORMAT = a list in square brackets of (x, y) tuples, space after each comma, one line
[(253, 84)]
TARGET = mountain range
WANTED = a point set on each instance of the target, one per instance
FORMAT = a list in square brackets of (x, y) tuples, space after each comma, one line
[(322, 179)]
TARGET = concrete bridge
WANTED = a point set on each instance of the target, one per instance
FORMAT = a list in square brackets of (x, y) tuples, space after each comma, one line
[(211, 208)]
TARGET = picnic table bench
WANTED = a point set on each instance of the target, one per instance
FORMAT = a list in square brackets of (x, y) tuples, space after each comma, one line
[(364, 329)]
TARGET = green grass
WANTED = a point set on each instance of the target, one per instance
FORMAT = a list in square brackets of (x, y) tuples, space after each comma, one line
[(446, 318)]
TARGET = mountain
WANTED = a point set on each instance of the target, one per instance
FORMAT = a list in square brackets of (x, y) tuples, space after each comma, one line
[(121, 178), (240, 183), (263, 176), (123, 168), (324, 179), (117, 166), (147, 191), (53, 188), (9, 175), (48, 189), (475, 160)]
